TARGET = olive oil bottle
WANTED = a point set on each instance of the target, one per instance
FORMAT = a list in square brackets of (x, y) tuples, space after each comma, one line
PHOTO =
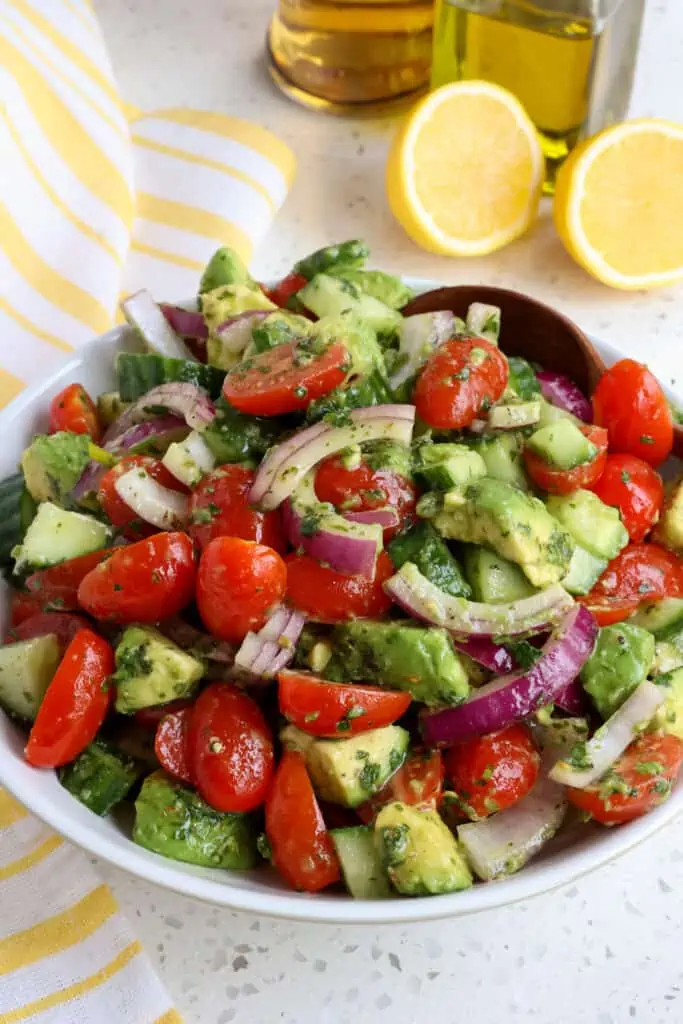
[(570, 62)]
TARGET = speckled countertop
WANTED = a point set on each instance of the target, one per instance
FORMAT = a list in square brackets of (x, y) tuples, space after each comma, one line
[(606, 950)]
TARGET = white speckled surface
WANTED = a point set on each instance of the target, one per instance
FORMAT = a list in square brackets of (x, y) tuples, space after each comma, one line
[(603, 951)]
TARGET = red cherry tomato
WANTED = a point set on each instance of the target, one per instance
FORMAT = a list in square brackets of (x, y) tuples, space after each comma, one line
[(75, 703), (460, 382), (638, 781), (419, 782), (284, 289), (74, 410), (230, 749), (303, 851), (171, 743), (641, 573), (363, 488), (115, 508), (219, 507), (286, 378), (57, 587), (608, 610), (321, 708), (329, 596), (63, 625), (239, 582), (492, 772), (631, 404), (148, 581), (23, 605), (150, 717), (564, 481), (633, 487)]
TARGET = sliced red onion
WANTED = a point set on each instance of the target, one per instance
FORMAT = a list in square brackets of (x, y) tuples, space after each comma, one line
[(235, 334), (267, 652), (163, 430), (420, 598), (145, 316), (285, 466), (188, 323), (158, 505), (386, 517), (612, 738), (561, 391), (518, 694), (179, 398), (572, 699), (89, 480), (419, 336), (487, 653)]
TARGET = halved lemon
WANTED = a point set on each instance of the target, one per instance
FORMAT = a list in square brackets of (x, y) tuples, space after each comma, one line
[(465, 171), (619, 204)]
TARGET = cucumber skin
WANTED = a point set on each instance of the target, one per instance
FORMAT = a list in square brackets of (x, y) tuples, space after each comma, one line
[(17, 509), (100, 777), (138, 373), (422, 545)]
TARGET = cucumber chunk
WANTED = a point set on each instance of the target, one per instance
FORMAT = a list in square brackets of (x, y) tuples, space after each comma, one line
[(26, 671), (443, 466), (138, 373), (17, 509), (493, 579), (585, 569), (483, 321), (330, 296), (364, 875), (109, 407), (352, 253), (100, 777), (422, 545), (56, 535), (562, 445), (663, 619)]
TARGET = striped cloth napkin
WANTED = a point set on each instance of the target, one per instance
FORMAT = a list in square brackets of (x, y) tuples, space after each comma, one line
[(96, 199)]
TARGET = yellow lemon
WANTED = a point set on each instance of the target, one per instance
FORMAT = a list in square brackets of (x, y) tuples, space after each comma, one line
[(465, 171), (619, 204)]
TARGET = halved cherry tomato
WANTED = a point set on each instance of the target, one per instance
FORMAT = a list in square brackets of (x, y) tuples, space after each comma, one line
[(633, 487), (115, 508), (284, 289), (492, 772), (74, 410), (640, 573), (364, 488), (143, 582), (57, 587), (329, 596), (303, 851), (419, 781), (238, 583), (460, 382), (150, 717), (75, 703), (608, 610), (564, 481), (230, 749), (219, 507), (286, 378), (171, 743), (638, 781), (630, 403), (321, 708), (63, 625), (23, 605)]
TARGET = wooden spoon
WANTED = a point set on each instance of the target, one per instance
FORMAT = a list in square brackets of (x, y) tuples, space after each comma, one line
[(532, 330)]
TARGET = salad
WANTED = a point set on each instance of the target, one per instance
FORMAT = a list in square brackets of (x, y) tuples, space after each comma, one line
[(346, 590)]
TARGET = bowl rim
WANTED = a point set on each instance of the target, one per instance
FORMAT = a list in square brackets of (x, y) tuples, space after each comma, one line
[(226, 890)]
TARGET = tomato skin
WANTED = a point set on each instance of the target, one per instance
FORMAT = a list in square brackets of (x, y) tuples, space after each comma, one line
[(418, 782), (63, 625), (58, 586), (329, 596), (149, 718), (490, 773), (284, 289), (115, 508), (171, 743), (645, 789), (219, 508), (608, 610), (238, 583), (454, 388), (563, 481), (321, 708), (74, 410), (230, 749), (75, 703), (630, 403), (632, 486), (280, 380), (364, 488), (23, 605), (147, 581), (640, 573), (303, 851)]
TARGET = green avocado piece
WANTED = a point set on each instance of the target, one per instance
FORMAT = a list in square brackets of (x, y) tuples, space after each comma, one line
[(53, 464), (276, 329), (669, 529), (383, 454), (420, 853), (621, 659), (225, 267), (387, 288), (223, 304), (401, 656), (110, 405), (422, 545), (669, 716), (173, 820), (348, 771), (152, 670), (359, 338), (594, 525), (100, 777), (344, 255), (515, 524)]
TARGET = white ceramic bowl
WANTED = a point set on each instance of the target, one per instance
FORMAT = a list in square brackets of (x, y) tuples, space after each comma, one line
[(571, 854)]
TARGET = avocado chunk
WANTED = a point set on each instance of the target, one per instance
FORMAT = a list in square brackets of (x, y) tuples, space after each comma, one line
[(386, 288), (358, 337), (110, 405), (344, 255), (223, 304), (562, 445), (422, 545), (668, 656), (348, 771), (514, 524), (173, 820), (621, 659), (669, 529), (594, 525), (100, 777), (53, 464), (420, 853), (152, 670), (276, 329), (669, 716), (226, 266), (401, 656), (493, 579), (443, 466)]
